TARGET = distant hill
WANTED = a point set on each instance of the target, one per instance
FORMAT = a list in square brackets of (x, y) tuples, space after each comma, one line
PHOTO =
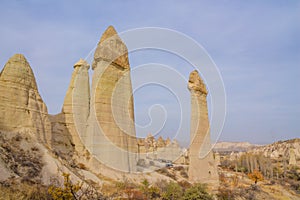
[(288, 150), (280, 149), (274, 150), (234, 146)]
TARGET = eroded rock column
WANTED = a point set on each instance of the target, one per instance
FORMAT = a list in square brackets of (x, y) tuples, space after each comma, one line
[(202, 166), (76, 106), (111, 129)]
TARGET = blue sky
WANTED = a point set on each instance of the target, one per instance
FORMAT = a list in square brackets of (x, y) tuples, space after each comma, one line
[(255, 44)]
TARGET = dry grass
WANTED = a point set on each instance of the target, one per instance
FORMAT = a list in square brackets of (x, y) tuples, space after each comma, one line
[(24, 191)]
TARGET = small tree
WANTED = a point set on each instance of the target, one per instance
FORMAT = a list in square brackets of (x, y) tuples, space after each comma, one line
[(73, 191), (69, 191), (256, 176)]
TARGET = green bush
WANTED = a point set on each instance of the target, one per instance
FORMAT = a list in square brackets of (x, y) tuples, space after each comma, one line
[(151, 192), (196, 192), (172, 191)]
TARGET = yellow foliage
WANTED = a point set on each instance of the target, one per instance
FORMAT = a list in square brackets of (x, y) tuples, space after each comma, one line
[(256, 176), (68, 192)]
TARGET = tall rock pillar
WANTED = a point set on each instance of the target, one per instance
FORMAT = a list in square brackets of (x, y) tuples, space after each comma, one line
[(76, 106), (111, 130), (202, 167)]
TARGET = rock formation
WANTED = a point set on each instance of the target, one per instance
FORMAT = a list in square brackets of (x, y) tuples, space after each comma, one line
[(202, 166), (95, 131), (280, 149), (170, 152), (151, 148), (160, 142), (100, 124), (168, 141), (76, 106), (292, 159), (111, 130), (21, 106), (69, 128)]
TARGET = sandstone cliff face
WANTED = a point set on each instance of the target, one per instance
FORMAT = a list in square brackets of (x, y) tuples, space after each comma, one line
[(21, 106), (202, 165), (111, 131)]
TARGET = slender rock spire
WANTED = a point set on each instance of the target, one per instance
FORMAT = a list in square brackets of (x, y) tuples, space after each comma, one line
[(202, 166), (76, 105)]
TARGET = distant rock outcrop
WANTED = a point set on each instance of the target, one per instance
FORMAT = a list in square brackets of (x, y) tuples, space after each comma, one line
[(202, 165), (161, 149), (288, 150), (21, 106), (233, 146), (292, 159)]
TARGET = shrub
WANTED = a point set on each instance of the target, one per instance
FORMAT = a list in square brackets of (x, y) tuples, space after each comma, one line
[(71, 191), (224, 193), (256, 176), (10, 189), (197, 191), (68, 192), (128, 188), (184, 184), (172, 191), (151, 192), (166, 172)]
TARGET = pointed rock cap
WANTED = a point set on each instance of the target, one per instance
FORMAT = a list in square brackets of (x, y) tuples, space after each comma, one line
[(18, 71), (18, 58), (196, 84), (109, 32), (175, 143), (168, 141), (82, 63), (112, 49)]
